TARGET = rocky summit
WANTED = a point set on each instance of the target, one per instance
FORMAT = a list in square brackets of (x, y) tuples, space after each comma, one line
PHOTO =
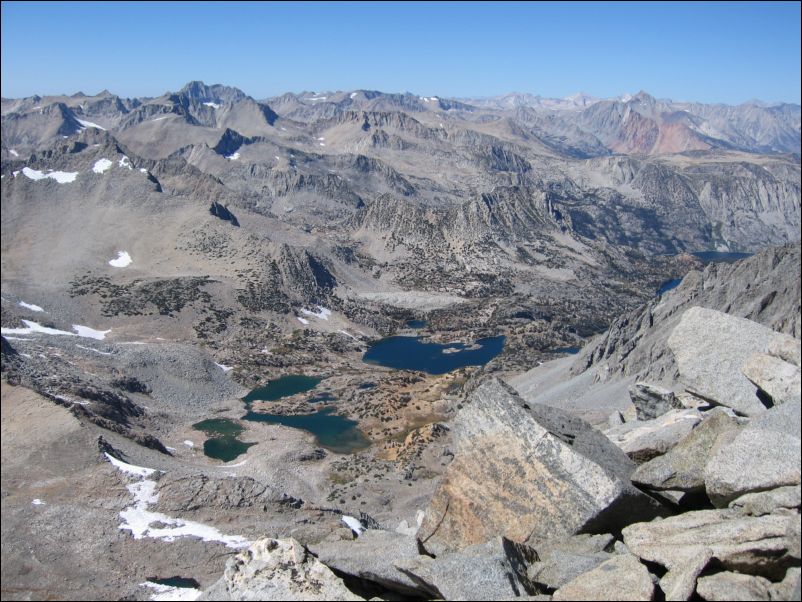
[(358, 345)]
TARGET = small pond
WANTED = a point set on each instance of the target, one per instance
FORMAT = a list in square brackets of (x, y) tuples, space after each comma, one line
[(283, 387), (416, 324), (224, 443), (668, 285), (331, 431), (412, 353), (569, 350)]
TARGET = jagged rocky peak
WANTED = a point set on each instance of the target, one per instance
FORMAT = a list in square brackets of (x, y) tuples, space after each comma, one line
[(216, 93)]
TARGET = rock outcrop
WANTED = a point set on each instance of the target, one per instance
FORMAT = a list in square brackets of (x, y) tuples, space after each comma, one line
[(275, 569), (512, 476)]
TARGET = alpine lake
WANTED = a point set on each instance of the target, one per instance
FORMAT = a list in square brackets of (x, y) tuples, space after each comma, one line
[(332, 431)]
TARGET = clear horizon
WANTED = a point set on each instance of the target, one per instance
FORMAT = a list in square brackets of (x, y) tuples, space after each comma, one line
[(707, 52)]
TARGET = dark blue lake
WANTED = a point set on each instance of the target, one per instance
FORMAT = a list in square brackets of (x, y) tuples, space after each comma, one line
[(721, 256), (283, 387), (668, 285), (569, 350), (411, 353)]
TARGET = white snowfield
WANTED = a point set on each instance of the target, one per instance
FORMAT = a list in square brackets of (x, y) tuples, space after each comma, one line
[(13, 152), (233, 157), (62, 177), (125, 162), (123, 260), (139, 520), (224, 368), (302, 320), (101, 165), (214, 105), (89, 124), (80, 331), (30, 306), (353, 94)]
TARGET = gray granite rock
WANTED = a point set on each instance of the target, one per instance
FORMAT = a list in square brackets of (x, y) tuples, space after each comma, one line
[(644, 440), (733, 586), (766, 502), (278, 569), (680, 582), (683, 467), (710, 347), (764, 455), (788, 588), (562, 560), (619, 578), (651, 401), (776, 378), (764, 545), (488, 571), (786, 348), (372, 556), (512, 476)]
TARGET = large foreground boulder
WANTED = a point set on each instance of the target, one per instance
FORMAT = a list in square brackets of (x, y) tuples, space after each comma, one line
[(494, 570), (683, 468), (764, 455), (513, 476), (372, 557), (710, 348), (761, 545), (620, 578), (644, 440)]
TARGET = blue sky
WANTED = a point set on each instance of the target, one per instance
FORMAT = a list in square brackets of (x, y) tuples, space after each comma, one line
[(711, 52)]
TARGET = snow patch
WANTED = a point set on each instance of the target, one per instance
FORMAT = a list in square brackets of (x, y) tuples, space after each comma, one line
[(13, 152), (214, 105), (89, 124), (317, 98), (189, 443), (90, 333), (301, 320), (101, 165), (139, 471), (125, 162), (31, 327), (322, 144), (62, 177), (233, 157), (170, 592), (321, 313), (322, 138), (123, 260), (30, 306), (353, 524), (160, 118), (348, 334), (353, 94), (38, 502), (224, 368)]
